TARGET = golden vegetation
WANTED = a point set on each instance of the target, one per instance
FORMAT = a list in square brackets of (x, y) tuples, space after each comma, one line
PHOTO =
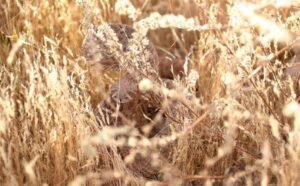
[(231, 113)]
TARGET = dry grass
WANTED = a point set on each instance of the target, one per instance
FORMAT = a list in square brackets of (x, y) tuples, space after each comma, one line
[(234, 114)]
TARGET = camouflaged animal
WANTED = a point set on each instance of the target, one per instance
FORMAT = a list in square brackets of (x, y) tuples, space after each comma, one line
[(105, 49)]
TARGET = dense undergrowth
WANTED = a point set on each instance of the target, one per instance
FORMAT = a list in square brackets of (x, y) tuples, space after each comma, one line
[(234, 111)]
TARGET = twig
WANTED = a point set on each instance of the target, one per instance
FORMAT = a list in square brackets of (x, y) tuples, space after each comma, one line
[(267, 61), (198, 177)]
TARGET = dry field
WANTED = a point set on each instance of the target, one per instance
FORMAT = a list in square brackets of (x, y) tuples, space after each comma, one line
[(202, 92)]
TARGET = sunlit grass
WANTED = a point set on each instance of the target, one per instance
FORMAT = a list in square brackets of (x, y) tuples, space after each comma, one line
[(231, 107)]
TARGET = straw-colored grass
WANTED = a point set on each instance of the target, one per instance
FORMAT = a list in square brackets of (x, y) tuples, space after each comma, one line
[(231, 109)]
